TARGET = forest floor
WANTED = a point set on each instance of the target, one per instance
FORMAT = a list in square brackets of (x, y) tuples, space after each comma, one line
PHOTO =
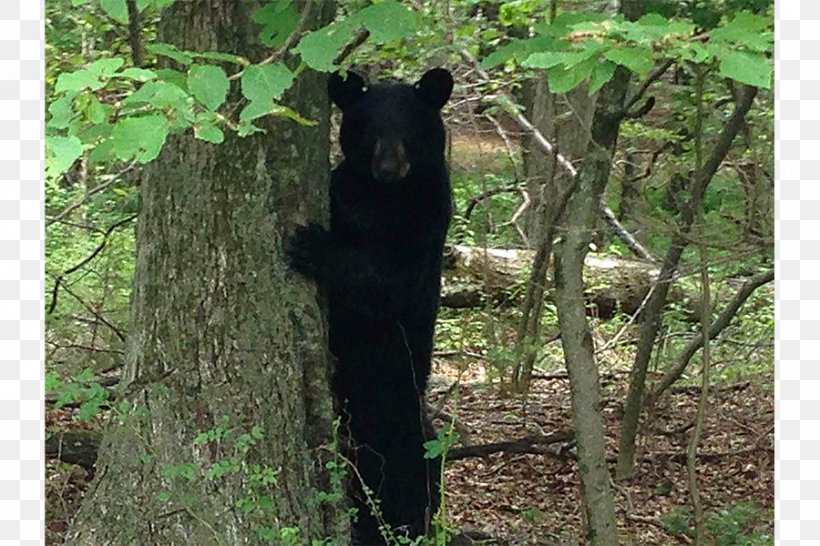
[(534, 498)]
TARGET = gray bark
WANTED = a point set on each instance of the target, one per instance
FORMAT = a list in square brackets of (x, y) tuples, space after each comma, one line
[(580, 220), (222, 333)]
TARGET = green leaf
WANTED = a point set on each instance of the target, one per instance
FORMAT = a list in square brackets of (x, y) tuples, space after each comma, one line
[(209, 85), (388, 20), (246, 128), (265, 83), (62, 113), (156, 4), (87, 410), (518, 49), (138, 74), (103, 152), (279, 110), (116, 9), (562, 80), (501, 55), (175, 77), (105, 67), (637, 59), (160, 94), (95, 111), (549, 59), (171, 51), (52, 382), (746, 29), (255, 109), (319, 48), (279, 19), (71, 82), (748, 68), (61, 153), (695, 52), (219, 56), (183, 470), (209, 133), (140, 137), (602, 73), (163, 496)]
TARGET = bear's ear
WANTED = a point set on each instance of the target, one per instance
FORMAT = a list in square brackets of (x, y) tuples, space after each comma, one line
[(345, 92), (435, 87)]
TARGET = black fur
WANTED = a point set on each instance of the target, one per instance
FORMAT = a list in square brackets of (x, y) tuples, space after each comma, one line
[(381, 263)]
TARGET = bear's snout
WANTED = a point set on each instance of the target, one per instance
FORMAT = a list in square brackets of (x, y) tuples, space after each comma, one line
[(390, 162)]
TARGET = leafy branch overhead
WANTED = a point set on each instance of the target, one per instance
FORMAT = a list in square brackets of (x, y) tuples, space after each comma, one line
[(588, 46), (113, 113)]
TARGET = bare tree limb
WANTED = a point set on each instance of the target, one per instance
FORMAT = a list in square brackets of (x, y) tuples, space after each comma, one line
[(618, 229), (653, 76), (134, 32), (90, 193), (725, 318), (59, 279), (522, 445)]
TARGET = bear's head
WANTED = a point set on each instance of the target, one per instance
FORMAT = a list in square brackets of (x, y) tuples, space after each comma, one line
[(392, 130)]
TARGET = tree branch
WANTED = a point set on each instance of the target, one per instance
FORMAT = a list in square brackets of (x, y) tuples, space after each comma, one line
[(522, 445), (634, 245), (90, 193), (134, 32), (725, 318), (59, 279), (653, 76)]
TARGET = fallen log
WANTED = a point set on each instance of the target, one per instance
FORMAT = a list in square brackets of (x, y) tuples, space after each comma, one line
[(76, 447), (473, 276), (522, 445)]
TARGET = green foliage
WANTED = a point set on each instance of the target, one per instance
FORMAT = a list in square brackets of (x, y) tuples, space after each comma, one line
[(446, 437), (743, 523), (385, 21), (572, 47), (140, 137), (209, 85), (279, 19), (82, 389)]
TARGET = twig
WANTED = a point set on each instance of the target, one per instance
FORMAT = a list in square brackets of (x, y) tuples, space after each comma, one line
[(510, 152), (59, 279), (653, 76), (280, 51), (475, 201), (94, 312), (90, 193), (632, 319), (634, 245), (361, 36)]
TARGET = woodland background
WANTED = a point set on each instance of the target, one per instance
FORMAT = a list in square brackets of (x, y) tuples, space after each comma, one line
[(612, 170)]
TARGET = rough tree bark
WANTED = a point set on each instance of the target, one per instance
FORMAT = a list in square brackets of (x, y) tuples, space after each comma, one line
[(223, 336), (654, 308)]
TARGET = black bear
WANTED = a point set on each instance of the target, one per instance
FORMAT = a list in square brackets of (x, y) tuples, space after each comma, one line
[(390, 207)]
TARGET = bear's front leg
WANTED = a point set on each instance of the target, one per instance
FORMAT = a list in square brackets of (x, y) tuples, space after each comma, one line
[(306, 251)]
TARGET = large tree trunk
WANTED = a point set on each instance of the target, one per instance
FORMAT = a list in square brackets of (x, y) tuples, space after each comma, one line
[(224, 340)]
